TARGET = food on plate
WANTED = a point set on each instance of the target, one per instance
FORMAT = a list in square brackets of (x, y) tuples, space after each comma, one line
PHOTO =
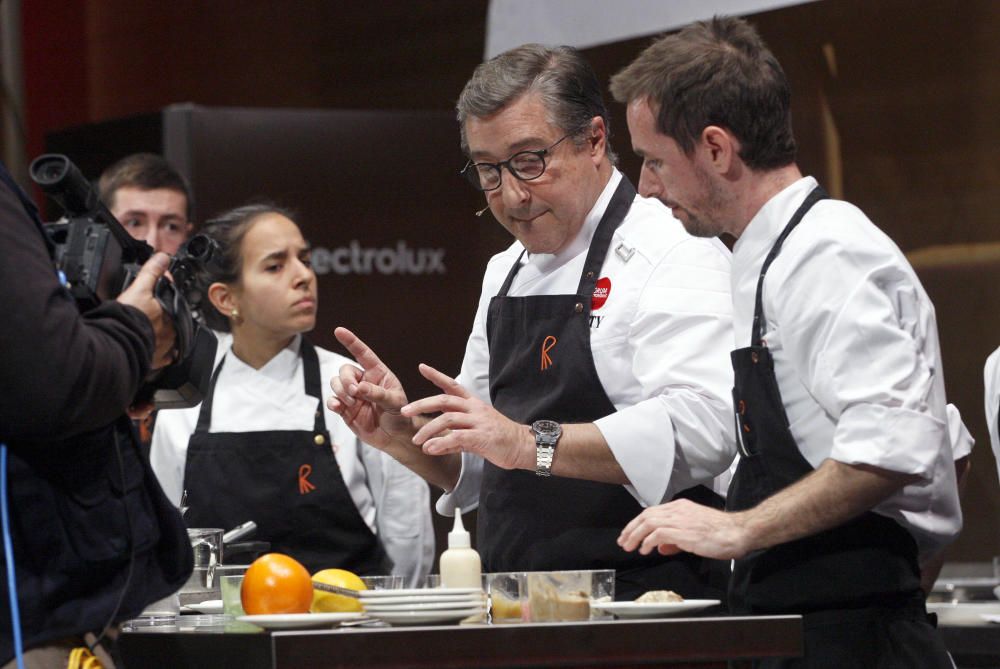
[(276, 583), (328, 602), (659, 597)]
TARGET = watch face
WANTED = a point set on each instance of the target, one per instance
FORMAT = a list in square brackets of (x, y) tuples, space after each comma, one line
[(546, 427)]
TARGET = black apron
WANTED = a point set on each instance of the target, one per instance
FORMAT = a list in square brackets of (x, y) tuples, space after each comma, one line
[(858, 585), (287, 481), (541, 366)]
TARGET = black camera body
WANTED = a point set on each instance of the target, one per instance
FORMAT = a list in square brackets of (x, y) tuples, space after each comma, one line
[(97, 259)]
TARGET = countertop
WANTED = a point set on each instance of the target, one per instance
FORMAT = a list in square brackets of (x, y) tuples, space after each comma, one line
[(675, 642)]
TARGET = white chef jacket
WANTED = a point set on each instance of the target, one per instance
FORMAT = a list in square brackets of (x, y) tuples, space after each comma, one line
[(991, 380), (392, 500), (856, 352), (660, 344)]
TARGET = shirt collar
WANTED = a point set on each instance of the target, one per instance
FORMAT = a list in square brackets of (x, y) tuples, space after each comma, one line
[(281, 367), (772, 218), (546, 262)]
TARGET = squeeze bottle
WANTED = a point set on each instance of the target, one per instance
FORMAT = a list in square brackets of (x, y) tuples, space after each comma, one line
[(460, 564)]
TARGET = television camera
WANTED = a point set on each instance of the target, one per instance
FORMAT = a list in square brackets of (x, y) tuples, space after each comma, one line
[(98, 259)]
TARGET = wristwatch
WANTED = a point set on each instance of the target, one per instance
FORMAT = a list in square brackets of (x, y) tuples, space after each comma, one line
[(547, 433)]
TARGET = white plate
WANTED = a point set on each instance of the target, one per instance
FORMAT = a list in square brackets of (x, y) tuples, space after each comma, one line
[(279, 621), (411, 592), (963, 613), (427, 599), (375, 607), (421, 617), (208, 607), (653, 609)]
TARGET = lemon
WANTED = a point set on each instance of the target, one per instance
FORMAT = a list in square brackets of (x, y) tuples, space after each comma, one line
[(327, 602)]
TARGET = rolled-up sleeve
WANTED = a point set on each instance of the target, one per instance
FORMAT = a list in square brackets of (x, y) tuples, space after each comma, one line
[(679, 342), (861, 352), (958, 434), (465, 496)]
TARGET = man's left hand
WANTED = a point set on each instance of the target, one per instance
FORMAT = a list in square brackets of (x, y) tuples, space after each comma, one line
[(470, 425), (682, 525)]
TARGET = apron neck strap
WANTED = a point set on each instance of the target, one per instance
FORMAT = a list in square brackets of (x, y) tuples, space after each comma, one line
[(618, 207), (613, 216), (310, 375), (505, 288), (205, 414), (311, 382), (757, 334)]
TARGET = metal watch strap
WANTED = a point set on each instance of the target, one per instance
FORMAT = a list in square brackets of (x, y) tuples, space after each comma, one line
[(543, 458)]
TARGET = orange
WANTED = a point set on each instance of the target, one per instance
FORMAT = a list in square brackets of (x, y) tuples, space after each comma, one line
[(276, 583), (327, 602)]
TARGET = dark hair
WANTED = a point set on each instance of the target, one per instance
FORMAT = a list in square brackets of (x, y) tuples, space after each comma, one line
[(716, 72), (565, 81), (228, 231), (146, 171)]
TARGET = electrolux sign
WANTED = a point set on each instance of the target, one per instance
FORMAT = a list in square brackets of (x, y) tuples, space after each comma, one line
[(357, 259)]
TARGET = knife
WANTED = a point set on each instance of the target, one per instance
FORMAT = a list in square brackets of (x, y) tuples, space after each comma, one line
[(336, 589), (239, 532)]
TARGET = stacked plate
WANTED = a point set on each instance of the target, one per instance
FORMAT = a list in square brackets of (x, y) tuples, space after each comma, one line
[(424, 605)]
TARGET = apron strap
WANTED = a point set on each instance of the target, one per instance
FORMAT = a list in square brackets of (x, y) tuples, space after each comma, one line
[(505, 288), (613, 216), (205, 414), (311, 377), (757, 333)]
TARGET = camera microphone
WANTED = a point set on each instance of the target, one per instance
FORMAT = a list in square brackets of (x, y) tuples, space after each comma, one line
[(482, 211)]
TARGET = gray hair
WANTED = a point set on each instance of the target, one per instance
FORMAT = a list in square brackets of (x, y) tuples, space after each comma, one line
[(565, 81)]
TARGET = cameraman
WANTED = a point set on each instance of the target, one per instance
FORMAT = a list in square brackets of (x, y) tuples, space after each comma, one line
[(94, 539)]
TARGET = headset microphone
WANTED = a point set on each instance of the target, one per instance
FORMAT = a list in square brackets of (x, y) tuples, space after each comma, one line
[(482, 211)]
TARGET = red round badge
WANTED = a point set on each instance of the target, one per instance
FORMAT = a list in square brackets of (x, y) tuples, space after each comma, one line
[(601, 292)]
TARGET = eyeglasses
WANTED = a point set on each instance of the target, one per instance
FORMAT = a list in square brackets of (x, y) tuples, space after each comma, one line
[(524, 165)]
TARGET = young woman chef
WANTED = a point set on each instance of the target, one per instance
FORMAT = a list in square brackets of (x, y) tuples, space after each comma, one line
[(262, 446)]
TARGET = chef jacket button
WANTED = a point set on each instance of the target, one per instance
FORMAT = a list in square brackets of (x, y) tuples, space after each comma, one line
[(590, 275), (319, 439), (578, 308), (754, 357)]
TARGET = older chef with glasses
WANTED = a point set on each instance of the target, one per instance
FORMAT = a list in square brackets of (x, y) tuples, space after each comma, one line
[(595, 380)]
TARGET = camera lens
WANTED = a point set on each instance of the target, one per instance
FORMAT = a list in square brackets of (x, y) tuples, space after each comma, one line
[(199, 247), (48, 169)]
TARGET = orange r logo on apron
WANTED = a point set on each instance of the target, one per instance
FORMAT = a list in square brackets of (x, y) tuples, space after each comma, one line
[(547, 345), (305, 487)]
